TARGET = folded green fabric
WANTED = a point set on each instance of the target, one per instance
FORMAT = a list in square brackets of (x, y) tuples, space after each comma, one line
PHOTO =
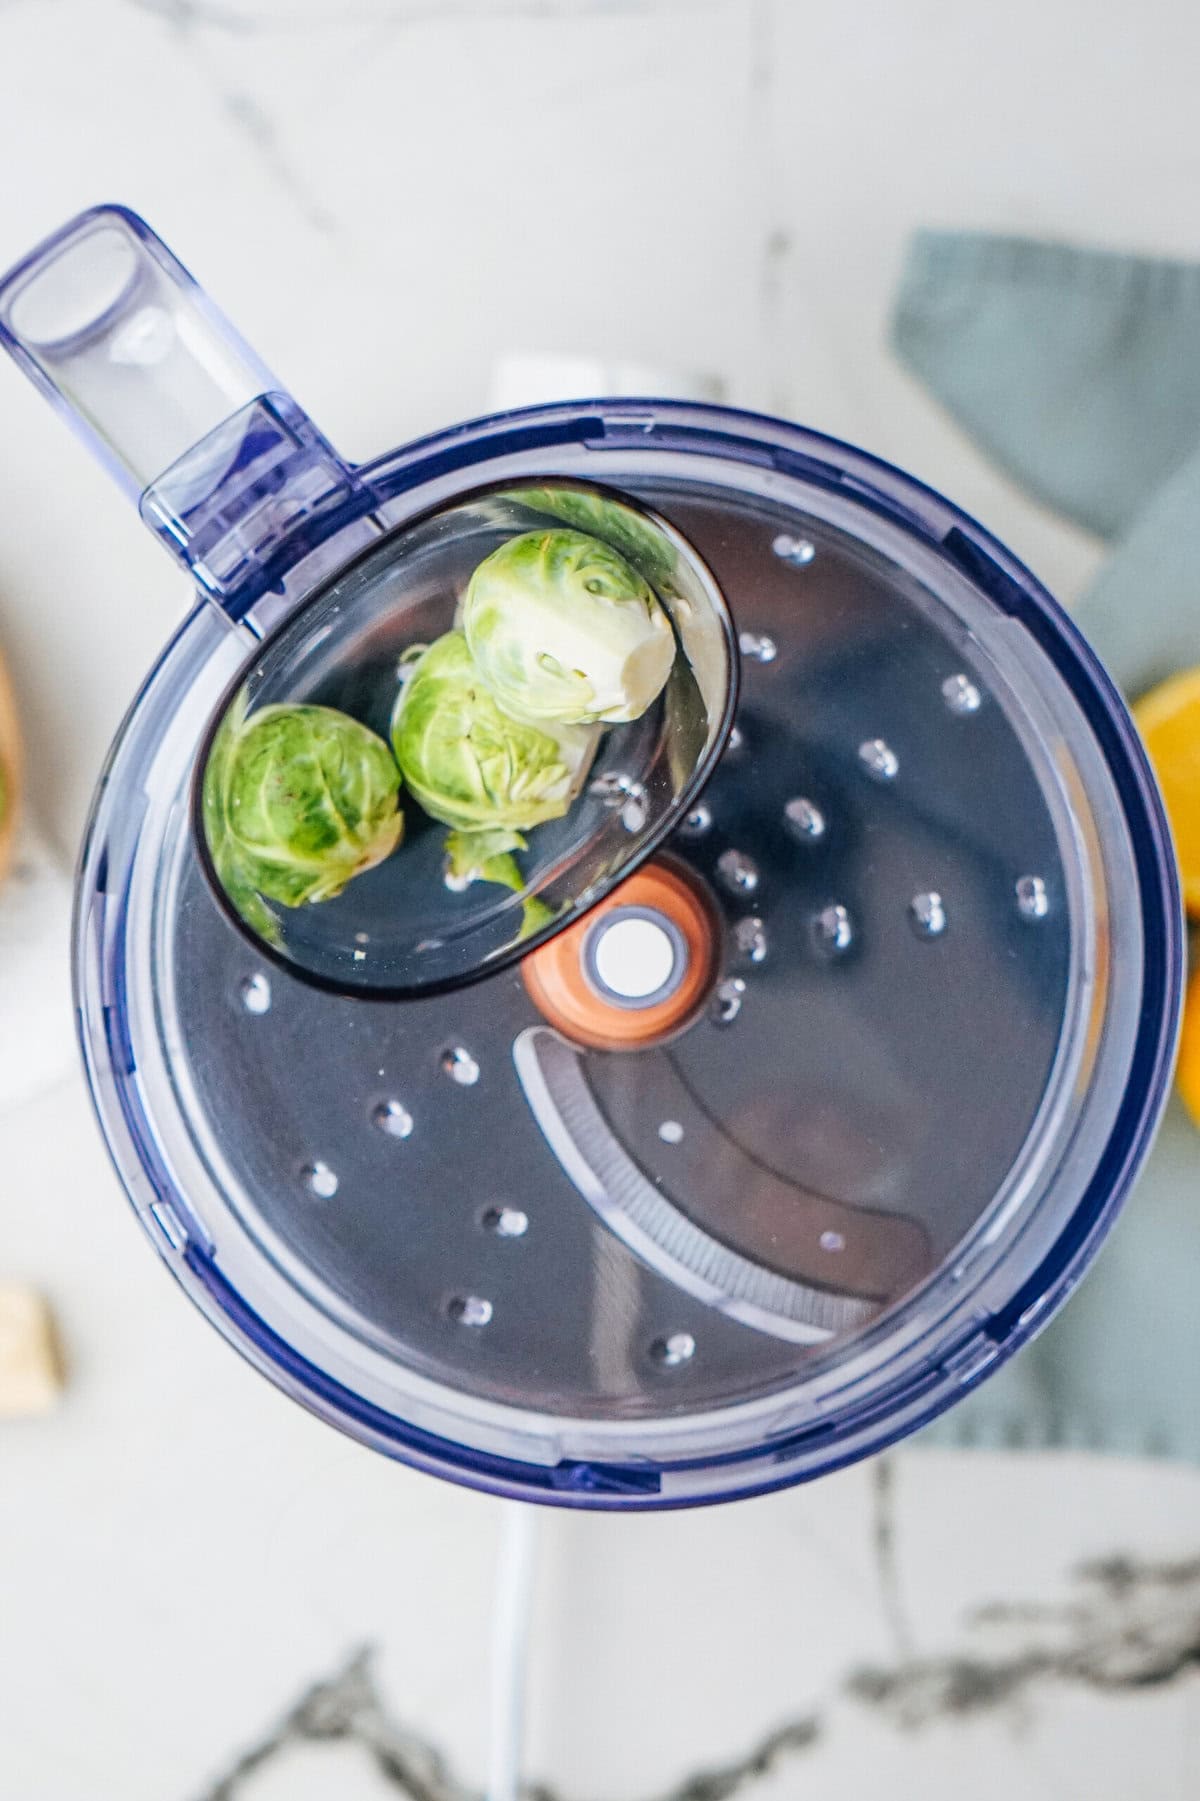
[(1079, 372), (1142, 612), (1116, 1370)]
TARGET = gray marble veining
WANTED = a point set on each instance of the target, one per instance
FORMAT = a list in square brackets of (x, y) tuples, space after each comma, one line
[(1125, 1625)]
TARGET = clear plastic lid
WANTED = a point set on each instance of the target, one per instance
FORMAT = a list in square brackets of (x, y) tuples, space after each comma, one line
[(797, 1074), (780, 1146)]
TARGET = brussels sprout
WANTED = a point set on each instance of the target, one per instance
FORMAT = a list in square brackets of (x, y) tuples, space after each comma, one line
[(637, 539), (297, 801), (467, 762), (564, 630)]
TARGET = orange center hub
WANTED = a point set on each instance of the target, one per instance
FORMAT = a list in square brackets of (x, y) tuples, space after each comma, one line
[(637, 969)]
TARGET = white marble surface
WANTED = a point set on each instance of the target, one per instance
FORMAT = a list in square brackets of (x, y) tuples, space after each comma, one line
[(363, 185)]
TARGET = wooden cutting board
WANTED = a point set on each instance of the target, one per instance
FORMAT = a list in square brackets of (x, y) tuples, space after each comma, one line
[(10, 770)]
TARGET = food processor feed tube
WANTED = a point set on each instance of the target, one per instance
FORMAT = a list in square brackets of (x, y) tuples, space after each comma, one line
[(221, 462), (590, 1094)]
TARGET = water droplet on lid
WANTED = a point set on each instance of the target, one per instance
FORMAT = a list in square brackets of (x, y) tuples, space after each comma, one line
[(928, 914), (961, 695), (460, 1066), (757, 647), (1032, 900), (671, 1132), (805, 820), (470, 1310), (879, 759), (613, 787), (320, 1180), (673, 1350), (256, 994), (750, 936), (727, 1001), (618, 790), (506, 1222), (695, 823), (832, 1241), (635, 812), (394, 1118), (797, 551), (833, 930), (737, 872)]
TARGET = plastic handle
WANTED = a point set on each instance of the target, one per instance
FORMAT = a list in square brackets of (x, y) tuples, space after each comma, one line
[(166, 394)]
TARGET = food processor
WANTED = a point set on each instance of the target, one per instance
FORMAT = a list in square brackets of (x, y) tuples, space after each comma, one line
[(797, 1075)]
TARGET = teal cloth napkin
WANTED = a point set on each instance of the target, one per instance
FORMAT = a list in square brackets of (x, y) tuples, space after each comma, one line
[(1079, 372)]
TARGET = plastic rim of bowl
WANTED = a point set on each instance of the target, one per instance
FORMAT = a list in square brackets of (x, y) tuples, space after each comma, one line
[(921, 1379)]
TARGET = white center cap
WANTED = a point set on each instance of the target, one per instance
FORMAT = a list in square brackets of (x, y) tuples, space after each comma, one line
[(634, 957)]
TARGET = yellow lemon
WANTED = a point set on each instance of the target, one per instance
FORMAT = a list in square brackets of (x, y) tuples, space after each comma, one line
[(1169, 721)]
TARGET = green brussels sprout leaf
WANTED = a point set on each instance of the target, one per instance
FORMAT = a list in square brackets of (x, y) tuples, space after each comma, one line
[(487, 857), (534, 915), (226, 860), (246, 901), (638, 540)]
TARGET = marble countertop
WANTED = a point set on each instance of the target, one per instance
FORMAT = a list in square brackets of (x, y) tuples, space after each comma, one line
[(364, 185)]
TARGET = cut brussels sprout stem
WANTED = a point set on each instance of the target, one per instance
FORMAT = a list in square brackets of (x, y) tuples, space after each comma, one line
[(564, 631)]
